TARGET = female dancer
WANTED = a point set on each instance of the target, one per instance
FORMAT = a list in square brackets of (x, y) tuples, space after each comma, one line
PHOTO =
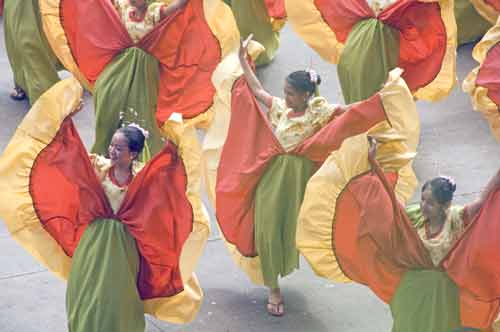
[(121, 232)]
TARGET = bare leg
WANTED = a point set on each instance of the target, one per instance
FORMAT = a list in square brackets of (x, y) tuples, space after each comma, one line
[(275, 305)]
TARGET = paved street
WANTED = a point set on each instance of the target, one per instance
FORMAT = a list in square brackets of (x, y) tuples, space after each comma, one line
[(454, 141)]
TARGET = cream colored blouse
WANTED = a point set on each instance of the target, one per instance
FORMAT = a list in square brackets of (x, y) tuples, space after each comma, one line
[(138, 28), (114, 193), (291, 131)]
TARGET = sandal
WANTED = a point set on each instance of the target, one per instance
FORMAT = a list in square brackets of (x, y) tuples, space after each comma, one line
[(276, 309), (18, 94)]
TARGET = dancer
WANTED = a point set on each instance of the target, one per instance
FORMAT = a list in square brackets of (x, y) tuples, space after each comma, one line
[(136, 75), (33, 62), (368, 38), (423, 260), (122, 232)]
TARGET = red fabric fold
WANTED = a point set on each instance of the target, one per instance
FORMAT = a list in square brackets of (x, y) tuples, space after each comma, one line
[(183, 43), (374, 241), (94, 39), (494, 3), (472, 264), (422, 39), (188, 53), (275, 8), (342, 15), (67, 196), (251, 144), (159, 216), (488, 74), (359, 119)]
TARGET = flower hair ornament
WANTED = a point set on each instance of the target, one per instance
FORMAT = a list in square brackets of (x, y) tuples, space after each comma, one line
[(143, 131), (313, 75)]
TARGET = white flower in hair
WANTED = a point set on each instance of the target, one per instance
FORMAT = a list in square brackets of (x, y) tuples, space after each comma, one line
[(314, 76), (143, 131)]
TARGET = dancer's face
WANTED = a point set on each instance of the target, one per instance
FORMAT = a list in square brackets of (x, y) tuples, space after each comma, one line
[(295, 99), (119, 152), (430, 207)]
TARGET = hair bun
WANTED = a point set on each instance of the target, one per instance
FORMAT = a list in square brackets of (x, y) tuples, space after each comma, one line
[(451, 185)]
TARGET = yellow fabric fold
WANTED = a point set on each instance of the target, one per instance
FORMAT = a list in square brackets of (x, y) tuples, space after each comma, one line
[(221, 21), (307, 21), (485, 10), (53, 28), (36, 131), (398, 138), (445, 80), (481, 102), (224, 77)]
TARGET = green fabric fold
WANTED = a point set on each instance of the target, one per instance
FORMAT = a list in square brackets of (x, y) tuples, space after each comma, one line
[(470, 25), (251, 17), (370, 52), (426, 300), (33, 62), (102, 294), (127, 92), (278, 198)]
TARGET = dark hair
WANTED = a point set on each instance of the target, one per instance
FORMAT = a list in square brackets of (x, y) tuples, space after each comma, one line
[(301, 80), (442, 189), (135, 138)]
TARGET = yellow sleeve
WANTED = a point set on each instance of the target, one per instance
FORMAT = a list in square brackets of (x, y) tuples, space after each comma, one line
[(278, 108), (320, 111)]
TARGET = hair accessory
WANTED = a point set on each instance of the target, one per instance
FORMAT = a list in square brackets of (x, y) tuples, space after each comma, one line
[(313, 75), (143, 131)]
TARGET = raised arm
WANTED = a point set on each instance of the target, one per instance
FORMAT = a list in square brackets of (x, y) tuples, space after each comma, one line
[(167, 10), (254, 83), (494, 184)]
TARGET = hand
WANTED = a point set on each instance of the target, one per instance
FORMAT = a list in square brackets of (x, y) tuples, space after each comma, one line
[(372, 150), (79, 107), (244, 46), (339, 110)]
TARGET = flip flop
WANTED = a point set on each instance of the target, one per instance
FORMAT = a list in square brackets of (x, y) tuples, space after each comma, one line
[(18, 94), (274, 309)]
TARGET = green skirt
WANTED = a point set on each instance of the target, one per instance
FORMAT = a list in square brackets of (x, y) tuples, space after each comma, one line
[(33, 63), (102, 293), (470, 25), (426, 300), (127, 92), (278, 198), (370, 53), (251, 17)]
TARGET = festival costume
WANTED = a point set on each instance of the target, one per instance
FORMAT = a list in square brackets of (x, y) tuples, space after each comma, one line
[(352, 227), (470, 24), (126, 251), (263, 18), (33, 63), (482, 83), (368, 38), (248, 171), (168, 70)]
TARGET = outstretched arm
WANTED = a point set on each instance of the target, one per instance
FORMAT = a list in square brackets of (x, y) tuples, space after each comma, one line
[(493, 184), (168, 10), (262, 95)]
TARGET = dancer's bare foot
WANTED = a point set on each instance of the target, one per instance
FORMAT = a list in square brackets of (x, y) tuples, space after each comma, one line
[(18, 94), (275, 305)]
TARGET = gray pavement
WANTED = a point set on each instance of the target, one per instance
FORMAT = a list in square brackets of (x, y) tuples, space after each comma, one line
[(455, 141)]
